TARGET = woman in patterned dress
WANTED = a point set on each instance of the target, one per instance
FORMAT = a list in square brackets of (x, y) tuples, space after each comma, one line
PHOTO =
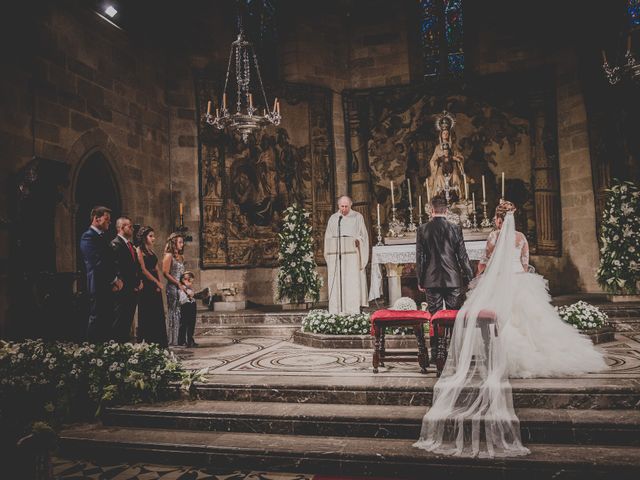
[(172, 269)]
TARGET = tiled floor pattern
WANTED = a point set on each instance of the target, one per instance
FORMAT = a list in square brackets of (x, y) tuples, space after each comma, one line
[(251, 356), (64, 469)]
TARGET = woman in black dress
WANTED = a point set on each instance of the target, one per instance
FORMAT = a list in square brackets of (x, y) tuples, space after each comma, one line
[(151, 321)]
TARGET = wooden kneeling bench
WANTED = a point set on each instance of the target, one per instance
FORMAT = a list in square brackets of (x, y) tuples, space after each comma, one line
[(415, 319), (442, 323)]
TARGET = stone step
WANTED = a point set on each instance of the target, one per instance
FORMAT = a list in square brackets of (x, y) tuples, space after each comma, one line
[(250, 318), (340, 455), (606, 427), (247, 330), (589, 393)]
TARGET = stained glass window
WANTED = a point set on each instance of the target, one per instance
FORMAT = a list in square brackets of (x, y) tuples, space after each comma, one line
[(633, 9), (441, 36)]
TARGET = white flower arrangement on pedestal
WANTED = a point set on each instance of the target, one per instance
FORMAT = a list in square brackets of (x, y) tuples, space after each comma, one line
[(619, 269), (583, 315), (298, 278)]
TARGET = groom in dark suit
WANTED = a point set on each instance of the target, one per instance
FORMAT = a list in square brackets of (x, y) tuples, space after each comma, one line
[(129, 272), (102, 275), (442, 263)]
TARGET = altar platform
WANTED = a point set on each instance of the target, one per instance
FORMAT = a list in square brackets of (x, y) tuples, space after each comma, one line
[(270, 404)]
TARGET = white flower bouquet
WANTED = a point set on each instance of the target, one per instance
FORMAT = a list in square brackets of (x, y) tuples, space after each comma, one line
[(583, 315)]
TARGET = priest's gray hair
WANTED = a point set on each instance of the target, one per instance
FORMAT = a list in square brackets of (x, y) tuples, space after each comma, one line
[(347, 197)]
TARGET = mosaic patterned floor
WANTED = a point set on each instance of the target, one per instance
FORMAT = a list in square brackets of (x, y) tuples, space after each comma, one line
[(251, 356), (75, 470)]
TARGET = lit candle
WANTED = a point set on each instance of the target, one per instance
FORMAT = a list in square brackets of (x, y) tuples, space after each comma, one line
[(217, 113), (484, 191), (393, 201), (180, 208), (275, 102), (409, 190), (466, 191), (209, 107), (502, 184), (419, 205), (250, 100), (378, 215), (224, 101), (278, 107), (473, 201)]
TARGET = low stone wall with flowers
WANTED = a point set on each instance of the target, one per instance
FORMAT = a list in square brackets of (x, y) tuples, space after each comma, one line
[(61, 383), (321, 329), (589, 319)]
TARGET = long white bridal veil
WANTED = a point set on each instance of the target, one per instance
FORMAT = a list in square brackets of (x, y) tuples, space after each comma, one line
[(472, 410)]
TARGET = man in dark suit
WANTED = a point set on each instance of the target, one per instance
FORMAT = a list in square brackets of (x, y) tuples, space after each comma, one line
[(129, 272), (442, 263), (102, 275)]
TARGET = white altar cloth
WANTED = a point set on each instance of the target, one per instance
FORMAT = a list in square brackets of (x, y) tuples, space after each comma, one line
[(399, 254)]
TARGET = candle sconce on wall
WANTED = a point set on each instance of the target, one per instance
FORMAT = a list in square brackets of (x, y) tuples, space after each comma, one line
[(182, 229)]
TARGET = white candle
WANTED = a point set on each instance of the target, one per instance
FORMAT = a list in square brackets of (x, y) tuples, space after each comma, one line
[(420, 205), (484, 191), (409, 189), (209, 107), (393, 201), (473, 201), (466, 193), (502, 184), (224, 101), (378, 215), (426, 184)]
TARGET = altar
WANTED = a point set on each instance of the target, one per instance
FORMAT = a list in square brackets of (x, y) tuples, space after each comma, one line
[(393, 257)]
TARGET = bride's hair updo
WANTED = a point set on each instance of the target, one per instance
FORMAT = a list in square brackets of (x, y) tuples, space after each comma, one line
[(504, 207)]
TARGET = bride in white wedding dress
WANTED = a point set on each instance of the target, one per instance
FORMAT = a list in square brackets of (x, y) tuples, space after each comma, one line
[(506, 328)]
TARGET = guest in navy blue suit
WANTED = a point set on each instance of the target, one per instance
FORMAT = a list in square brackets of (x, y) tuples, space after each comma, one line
[(102, 276)]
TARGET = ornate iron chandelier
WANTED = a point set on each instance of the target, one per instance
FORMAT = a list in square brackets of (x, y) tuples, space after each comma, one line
[(246, 119), (630, 69)]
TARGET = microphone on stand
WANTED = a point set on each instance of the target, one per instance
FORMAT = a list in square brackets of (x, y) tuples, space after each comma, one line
[(340, 260)]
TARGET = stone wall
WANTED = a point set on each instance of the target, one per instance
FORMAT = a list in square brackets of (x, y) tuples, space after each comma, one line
[(90, 89)]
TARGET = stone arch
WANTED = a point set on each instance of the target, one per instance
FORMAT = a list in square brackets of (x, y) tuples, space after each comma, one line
[(92, 143)]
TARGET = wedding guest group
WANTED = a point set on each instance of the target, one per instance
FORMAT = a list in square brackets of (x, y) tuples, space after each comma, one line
[(122, 277)]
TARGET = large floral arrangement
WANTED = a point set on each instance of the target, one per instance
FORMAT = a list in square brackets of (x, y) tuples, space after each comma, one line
[(583, 315), (619, 269), (298, 278), (62, 382)]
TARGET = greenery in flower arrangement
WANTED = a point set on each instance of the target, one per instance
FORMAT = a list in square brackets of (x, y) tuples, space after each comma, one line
[(60, 383), (298, 277), (583, 315), (619, 269), (321, 321), (325, 323)]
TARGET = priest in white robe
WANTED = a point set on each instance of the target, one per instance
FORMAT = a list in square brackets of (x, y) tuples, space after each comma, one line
[(346, 250)]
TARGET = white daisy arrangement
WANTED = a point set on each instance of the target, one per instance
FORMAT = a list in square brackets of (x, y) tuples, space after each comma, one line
[(583, 315)]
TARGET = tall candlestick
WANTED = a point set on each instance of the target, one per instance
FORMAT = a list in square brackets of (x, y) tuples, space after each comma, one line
[(473, 201), (224, 101), (250, 100), (209, 107), (484, 191), (180, 208), (378, 215), (420, 206), (409, 190), (275, 102), (426, 184), (393, 201), (502, 184)]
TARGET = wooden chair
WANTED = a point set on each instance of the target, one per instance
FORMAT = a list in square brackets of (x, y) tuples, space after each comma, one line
[(415, 319)]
